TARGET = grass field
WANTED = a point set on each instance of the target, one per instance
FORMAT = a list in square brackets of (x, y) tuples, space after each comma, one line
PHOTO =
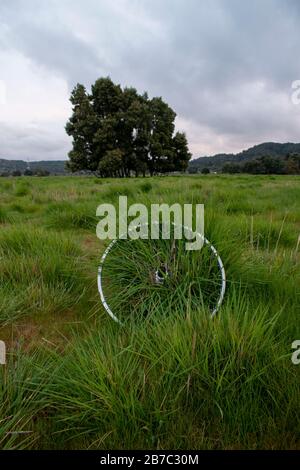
[(177, 380)]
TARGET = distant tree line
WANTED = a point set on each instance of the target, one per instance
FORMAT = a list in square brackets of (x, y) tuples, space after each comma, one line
[(266, 165), (27, 172), (119, 132), (271, 149), (193, 170)]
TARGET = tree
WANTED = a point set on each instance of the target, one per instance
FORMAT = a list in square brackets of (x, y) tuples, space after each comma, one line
[(272, 165), (231, 168), (117, 131), (265, 165), (41, 172), (161, 144), (205, 171), (181, 153), (292, 164), (138, 120), (81, 126), (111, 164)]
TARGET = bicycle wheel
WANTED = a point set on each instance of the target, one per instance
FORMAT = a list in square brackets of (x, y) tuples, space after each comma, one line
[(138, 278)]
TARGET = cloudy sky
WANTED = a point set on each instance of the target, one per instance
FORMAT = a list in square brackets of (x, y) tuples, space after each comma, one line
[(225, 66)]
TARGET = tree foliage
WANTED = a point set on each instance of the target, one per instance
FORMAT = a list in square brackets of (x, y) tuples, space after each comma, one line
[(117, 132), (267, 165)]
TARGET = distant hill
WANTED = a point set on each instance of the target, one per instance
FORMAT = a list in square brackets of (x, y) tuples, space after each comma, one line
[(214, 163), (55, 167), (272, 149)]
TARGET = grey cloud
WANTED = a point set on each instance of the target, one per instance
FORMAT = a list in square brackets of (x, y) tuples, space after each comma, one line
[(49, 43), (205, 58), (33, 143)]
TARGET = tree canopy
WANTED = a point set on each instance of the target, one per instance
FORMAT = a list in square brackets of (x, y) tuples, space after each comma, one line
[(267, 165), (117, 132)]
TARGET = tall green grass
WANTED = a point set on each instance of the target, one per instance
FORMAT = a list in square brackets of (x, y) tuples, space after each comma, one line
[(40, 272), (19, 404), (180, 381), (175, 379)]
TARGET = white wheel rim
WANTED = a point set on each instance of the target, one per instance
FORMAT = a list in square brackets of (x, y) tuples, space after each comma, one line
[(207, 242)]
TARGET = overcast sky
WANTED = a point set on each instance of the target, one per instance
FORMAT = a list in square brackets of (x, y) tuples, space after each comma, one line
[(225, 67)]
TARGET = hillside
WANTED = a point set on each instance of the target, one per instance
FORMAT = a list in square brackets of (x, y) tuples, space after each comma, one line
[(273, 149), (214, 163), (55, 167)]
